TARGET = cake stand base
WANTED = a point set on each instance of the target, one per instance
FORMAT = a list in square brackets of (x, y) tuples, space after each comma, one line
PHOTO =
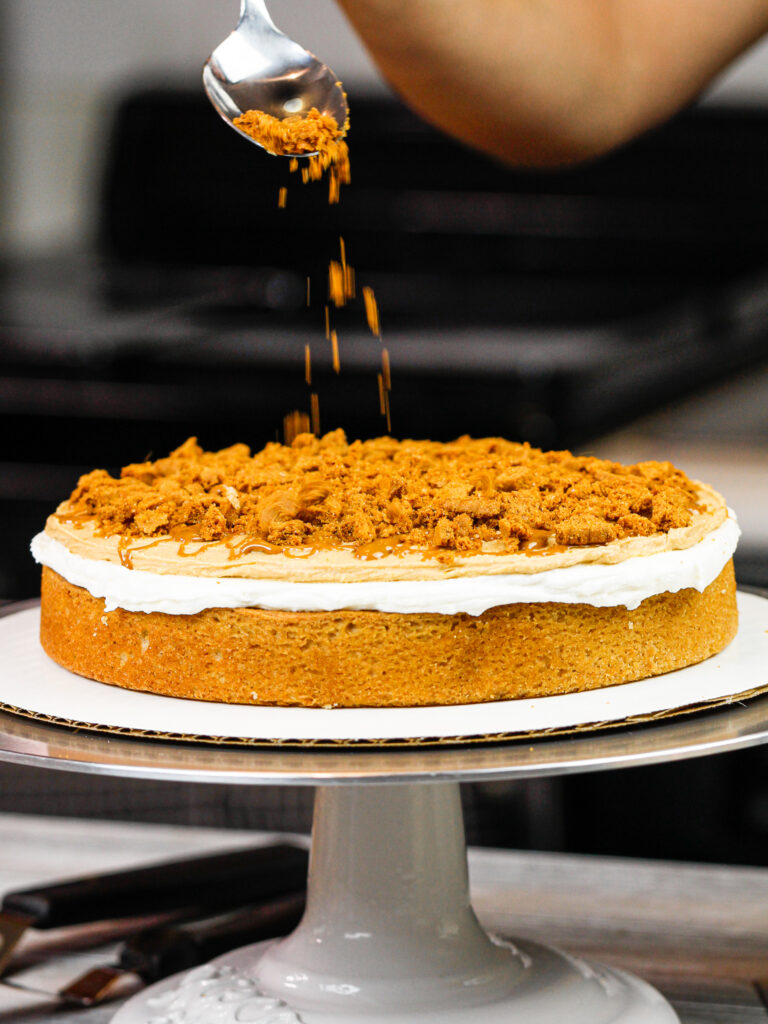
[(556, 988), (389, 932)]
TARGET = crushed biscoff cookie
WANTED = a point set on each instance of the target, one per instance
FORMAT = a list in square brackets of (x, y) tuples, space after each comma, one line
[(311, 133), (326, 491)]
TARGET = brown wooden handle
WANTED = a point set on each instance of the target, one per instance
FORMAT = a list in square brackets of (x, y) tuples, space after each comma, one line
[(213, 882), (159, 952)]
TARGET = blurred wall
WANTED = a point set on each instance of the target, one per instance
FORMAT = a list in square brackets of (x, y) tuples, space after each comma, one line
[(64, 59)]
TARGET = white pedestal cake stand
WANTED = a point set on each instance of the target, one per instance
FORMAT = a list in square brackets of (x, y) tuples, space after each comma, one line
[(389, 933)]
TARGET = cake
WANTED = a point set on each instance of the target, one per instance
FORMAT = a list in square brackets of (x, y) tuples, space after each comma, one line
[(329, 573)]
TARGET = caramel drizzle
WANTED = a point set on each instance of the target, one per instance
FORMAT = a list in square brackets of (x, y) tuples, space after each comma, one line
[(541, 543), (383, 547), (124, 552), (239, 547), (77, 519)]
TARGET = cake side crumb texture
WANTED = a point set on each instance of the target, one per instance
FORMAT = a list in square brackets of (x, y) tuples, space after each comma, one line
[(370, 659)]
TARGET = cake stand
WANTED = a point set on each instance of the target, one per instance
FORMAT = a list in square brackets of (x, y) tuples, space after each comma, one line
[(389, 933)]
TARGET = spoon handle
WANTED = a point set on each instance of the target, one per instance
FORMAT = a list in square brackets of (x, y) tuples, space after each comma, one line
[(255, 12)]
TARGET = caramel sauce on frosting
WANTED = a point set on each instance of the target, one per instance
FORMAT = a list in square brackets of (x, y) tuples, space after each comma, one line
[(324, 509), (182, 552)]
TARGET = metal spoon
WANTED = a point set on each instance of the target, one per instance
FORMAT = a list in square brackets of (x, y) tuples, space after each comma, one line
[(259, 68)]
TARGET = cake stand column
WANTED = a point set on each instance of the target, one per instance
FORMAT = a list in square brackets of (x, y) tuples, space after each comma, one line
[(388, 923), (389, 935)]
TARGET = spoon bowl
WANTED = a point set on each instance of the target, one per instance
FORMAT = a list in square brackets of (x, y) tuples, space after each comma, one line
[(257, 67)]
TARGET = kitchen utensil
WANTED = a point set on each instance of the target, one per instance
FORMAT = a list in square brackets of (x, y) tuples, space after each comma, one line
[(161, 950), (213, 882), (257, 67)]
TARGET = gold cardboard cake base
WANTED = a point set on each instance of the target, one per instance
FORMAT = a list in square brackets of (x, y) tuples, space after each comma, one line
[(335, 744)]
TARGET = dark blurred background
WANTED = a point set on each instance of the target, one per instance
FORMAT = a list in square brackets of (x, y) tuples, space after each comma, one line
[(151, 289)]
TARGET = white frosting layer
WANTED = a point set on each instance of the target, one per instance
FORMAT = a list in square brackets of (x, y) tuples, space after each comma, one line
[(625, 583)]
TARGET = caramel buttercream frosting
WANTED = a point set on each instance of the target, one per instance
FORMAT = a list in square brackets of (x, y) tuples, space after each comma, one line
[(324, 509)]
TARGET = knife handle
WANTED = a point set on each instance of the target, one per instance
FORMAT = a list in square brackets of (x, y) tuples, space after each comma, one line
[(213, 882), (159, 952)]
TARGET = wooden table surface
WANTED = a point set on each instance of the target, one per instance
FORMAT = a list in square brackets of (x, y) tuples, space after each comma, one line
[(699, 933)]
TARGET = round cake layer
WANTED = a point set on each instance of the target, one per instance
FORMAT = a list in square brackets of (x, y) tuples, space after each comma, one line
[(379, 659)]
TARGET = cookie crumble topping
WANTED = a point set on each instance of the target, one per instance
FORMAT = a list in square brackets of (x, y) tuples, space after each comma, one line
[(326, 492)]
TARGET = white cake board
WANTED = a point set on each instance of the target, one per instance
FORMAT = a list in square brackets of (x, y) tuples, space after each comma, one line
[(32, 684)]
